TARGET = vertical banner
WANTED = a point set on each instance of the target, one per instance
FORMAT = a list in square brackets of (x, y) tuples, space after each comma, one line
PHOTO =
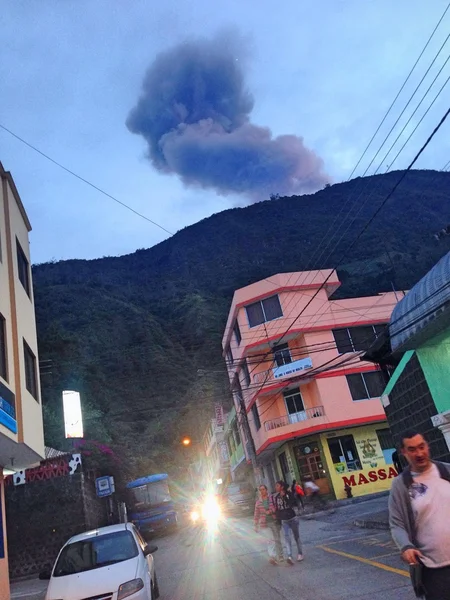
[(220, 420)]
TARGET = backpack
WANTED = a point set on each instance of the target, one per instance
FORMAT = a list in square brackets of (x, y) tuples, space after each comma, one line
[(299, 491)]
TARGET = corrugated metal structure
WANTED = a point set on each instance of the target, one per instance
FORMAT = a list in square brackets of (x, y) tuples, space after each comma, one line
[(424, 311)]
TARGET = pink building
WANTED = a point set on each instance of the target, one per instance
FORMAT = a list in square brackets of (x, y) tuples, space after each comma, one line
[(293, 356)]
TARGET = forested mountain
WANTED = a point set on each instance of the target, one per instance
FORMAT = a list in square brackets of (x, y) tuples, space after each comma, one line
[(131, 332)]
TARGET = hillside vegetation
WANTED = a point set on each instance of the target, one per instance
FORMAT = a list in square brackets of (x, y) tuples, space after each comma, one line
[(131, 332)]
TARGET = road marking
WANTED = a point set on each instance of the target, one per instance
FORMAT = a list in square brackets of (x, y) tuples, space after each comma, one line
[(366, 561), (363, 536)]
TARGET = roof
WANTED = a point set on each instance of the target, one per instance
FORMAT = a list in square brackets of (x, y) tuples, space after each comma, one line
[(12, 185), (148, 479), (100, 531), (424, 311)]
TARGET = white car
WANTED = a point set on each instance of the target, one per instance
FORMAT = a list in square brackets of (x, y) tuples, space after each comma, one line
[(110, 563)]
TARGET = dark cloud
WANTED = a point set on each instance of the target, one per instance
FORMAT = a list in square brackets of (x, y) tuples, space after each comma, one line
[(194, 113)]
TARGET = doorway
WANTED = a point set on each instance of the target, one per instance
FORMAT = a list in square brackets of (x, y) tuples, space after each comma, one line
[(311, 464)]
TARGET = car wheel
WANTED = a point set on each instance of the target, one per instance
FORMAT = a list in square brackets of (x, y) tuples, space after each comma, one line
[(155, 589)]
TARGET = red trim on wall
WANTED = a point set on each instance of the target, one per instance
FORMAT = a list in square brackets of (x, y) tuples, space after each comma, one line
[(282, 289), (285, 382), (328, 327), (338, 372), (319, 428)]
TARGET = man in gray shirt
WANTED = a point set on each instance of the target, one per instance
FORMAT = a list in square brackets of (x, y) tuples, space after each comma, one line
[(419, 515)]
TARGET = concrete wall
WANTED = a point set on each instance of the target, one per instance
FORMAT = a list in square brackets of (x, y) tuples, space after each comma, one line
[(43, 515)]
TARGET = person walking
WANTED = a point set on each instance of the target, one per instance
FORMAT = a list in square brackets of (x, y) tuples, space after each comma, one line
[(313, 491), (419, 517), (298, 494), (266, 523), (284, 511)]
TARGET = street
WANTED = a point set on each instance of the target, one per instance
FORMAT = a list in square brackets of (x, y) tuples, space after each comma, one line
[(341, 561)]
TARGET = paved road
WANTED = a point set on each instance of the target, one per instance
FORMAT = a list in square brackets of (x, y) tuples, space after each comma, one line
[(341, 562)]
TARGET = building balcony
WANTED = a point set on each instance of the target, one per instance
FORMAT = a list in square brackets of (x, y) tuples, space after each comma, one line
[(283, 372), (309, 414)]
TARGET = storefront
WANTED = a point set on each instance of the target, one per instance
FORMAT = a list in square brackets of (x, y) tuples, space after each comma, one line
[(360, 458)]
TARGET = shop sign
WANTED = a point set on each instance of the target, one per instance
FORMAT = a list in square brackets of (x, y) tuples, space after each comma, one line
[(370, 477), (369, 451)]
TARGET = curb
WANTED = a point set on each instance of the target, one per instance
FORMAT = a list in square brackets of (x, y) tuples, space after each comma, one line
[(371, 524)]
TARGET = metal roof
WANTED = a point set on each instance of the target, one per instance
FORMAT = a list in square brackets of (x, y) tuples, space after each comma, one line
[(424, 311), (148, 479)]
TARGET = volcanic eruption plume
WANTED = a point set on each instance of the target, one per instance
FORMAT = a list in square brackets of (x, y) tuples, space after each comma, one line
[(194, 113)]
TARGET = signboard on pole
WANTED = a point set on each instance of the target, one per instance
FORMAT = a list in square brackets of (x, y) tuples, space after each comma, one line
[(105, 486), (73, 418)]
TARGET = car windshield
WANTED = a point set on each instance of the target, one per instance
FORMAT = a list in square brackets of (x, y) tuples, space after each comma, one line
[(152, 494), (93, 553)]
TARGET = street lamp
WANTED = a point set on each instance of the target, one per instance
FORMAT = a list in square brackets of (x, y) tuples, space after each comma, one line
[(186, 441)]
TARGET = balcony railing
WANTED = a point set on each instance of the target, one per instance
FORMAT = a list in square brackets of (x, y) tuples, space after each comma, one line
[(291, 369), (304, 415)]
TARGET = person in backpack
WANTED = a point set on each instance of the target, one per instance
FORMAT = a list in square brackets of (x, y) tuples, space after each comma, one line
[(419, 517), (266, 523), (284, 511)]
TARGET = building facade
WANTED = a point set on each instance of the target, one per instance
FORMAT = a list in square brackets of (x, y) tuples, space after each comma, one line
[(416, 347), (216, 459), (21, 428), (314, 409)]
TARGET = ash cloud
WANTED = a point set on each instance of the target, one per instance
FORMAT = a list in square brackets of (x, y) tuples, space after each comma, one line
[(194, 113)]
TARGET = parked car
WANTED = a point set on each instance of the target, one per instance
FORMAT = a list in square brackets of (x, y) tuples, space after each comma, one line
[(110, 563), (238, 499)]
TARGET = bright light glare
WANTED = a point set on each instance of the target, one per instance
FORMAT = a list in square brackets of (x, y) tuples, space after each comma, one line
[(211, 512), (186, 442), (195, 516), (73, 420)]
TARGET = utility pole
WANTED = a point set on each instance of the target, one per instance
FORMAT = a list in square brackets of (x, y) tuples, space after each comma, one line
[(251, 444)]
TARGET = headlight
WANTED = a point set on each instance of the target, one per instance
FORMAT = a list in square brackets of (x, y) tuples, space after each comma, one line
[(211, 510), (195, 516), (130, 587)]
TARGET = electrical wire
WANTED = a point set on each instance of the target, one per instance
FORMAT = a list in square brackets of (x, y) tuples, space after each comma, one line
[(92, 185)]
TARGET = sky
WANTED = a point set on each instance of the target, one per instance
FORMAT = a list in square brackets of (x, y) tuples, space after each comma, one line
[(72, 72)]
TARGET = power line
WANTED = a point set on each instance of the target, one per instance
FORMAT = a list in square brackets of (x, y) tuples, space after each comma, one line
[(399, 92), (92, 185)]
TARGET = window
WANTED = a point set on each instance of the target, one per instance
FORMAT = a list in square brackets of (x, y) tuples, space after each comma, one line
[(294, 405), (235, 432), (264, 310), (343, 451), (282, 355), (385, 439), (246, 373), (237, 332), (230, 357), (23, 268), (256, 418), (3, 355), (30, 370), (356, 339), (366, 385)]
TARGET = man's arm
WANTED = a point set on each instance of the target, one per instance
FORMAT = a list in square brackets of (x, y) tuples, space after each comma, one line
[(397, 525)]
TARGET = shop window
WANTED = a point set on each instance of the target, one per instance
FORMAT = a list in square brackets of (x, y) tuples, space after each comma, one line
[(343, 452), (386, 443)]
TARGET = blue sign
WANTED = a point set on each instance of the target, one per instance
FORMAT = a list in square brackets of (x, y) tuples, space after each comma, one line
[(7, 409), (105, 486), (292, 368)]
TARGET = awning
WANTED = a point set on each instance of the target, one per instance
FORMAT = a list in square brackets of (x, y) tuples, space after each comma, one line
[(424, 311)]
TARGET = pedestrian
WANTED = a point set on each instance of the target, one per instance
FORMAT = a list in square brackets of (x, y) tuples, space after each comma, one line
[(313, 491), (266, 523), (298, 493), (419, 517), (284, 512)]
